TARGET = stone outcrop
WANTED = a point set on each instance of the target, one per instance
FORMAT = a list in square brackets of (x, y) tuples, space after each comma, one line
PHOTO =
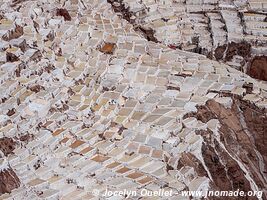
[(8, 181), (231, 32), (7, 145), (238, 147), (64, 13)]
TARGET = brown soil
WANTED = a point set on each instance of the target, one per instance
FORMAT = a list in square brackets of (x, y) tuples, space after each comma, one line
[(258, 68), (8, 181), (7, 145)]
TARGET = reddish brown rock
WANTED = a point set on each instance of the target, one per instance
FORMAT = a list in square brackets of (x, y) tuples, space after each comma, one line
[(188, 159), (147, 33), (8, 181), (203, 114), (258, 68), (219, 52), (232, 126), (172, 46), (248, 87), (226, 52), (20, 67), (36, 56), (169, 87), (242, 131), (23, 46), (7, 145), (13, 34), (49, 68), (64, 13), (11, 112), (216, 168), (119, 7), (10, 57), (26, 138), (242, 49)]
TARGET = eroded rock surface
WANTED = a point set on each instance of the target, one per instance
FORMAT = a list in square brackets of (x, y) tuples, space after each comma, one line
[(229, 53), (232, 32), (8, 181), (64, 13), (13, 34), (100, 95), (238, 147), (258, 68)]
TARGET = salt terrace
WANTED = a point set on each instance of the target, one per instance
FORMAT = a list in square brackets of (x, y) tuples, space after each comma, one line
[(88, 102)]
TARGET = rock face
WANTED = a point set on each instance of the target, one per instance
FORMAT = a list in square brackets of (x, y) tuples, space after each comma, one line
[(258, 68), (255, 66), (125, 94), (8, 181), (236, 153), (7, 145)]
